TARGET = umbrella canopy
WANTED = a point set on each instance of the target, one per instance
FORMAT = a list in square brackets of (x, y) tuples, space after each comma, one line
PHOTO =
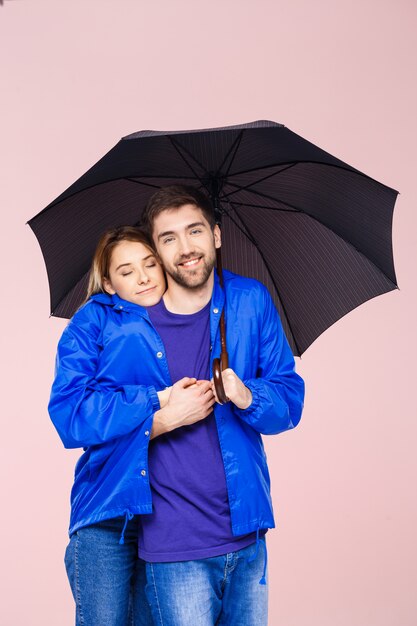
[(313, 229)]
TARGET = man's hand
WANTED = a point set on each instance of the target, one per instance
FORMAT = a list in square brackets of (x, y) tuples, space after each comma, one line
[(235, 390), (190, 401)]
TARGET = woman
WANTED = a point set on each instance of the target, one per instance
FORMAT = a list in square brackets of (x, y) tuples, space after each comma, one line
[(104, 400)]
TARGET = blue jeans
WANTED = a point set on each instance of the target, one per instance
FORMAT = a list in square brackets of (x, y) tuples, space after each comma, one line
[(107, 579), (222, 590)]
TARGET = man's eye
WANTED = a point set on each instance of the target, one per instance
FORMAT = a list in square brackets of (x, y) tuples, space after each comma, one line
[(168, 239), (195, 231)]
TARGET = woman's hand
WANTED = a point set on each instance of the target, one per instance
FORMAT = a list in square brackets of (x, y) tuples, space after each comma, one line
[(190, 401), (163, 396)]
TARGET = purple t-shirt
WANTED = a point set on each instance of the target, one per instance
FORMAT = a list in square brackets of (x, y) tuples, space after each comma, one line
[(191, 516)]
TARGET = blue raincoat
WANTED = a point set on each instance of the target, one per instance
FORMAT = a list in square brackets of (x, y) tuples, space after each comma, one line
[(110, 364)]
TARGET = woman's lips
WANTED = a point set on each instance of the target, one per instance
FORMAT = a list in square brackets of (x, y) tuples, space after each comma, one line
[(141, 293)]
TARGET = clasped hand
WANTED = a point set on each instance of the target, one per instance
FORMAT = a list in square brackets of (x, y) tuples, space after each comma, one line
[(190, 400)]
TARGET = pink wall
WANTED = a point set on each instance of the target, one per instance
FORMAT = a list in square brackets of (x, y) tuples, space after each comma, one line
[(75, 77)]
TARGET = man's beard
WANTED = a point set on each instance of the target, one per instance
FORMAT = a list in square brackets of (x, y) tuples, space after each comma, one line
[(189, 278)]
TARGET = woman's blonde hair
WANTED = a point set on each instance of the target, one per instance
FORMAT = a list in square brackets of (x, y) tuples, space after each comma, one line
[(102, 256)]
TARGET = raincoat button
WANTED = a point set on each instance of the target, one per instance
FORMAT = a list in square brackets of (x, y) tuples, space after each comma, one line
[(143, 472), (147, 433), (159, 355), (216, 310), (120, 306)]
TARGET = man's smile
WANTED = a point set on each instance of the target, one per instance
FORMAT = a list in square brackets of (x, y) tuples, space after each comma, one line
[(190, 262)]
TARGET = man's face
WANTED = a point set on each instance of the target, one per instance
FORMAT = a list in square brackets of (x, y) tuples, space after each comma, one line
[(186, 245)]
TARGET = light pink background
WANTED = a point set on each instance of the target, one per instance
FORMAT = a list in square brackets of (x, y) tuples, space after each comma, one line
[(78, 75)]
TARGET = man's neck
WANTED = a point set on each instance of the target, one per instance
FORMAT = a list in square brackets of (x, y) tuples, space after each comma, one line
[(185, 301)]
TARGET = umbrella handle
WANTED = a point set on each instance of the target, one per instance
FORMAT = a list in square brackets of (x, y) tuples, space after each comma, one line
[(218, 381), (220, 364)]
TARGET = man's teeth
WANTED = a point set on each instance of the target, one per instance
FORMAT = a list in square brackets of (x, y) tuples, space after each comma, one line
[(192, 262)]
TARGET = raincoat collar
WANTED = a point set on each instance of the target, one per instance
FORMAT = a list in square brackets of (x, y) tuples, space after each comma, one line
[(115, 302), (218, 297)]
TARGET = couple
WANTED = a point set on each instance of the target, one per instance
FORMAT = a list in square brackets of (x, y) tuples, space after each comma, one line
[(171, 499)]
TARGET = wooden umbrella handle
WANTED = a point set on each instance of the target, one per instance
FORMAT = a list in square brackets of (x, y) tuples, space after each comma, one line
[(221, 364), (218, 382)]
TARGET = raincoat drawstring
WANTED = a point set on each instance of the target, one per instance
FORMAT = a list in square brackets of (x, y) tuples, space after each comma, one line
[(263, 579), (255, 554), (128, 517)]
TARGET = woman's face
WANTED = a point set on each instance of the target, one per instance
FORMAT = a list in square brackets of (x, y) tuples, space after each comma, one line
[(135, 274)]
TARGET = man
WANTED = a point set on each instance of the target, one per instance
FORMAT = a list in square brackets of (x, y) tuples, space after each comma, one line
[(211, 507)]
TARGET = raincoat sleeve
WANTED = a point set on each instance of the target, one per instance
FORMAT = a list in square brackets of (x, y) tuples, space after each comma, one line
[(277, 390), (83, 411)]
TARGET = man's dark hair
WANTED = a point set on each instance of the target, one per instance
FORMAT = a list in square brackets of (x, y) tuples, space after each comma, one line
[(174, 197)]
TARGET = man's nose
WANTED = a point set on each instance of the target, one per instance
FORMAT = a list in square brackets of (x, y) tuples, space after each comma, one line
[(185, 246)]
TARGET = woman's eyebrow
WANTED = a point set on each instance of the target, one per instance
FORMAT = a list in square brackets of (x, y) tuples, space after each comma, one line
[(145, 258), (122, 265)]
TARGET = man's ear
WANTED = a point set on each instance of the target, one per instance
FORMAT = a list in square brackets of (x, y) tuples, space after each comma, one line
[(108, 286), (217, 236)]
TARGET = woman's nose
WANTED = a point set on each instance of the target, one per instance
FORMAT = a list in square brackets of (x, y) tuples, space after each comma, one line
[(143, 278)]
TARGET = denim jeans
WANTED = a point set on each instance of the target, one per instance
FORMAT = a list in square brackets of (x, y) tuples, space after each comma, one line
[(107, 579), (221, 590)]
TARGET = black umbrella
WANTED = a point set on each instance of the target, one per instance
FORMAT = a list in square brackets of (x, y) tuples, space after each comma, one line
[(315, 230)]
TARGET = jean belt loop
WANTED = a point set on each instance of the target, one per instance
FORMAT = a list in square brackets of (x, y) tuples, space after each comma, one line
[(255, 554)]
